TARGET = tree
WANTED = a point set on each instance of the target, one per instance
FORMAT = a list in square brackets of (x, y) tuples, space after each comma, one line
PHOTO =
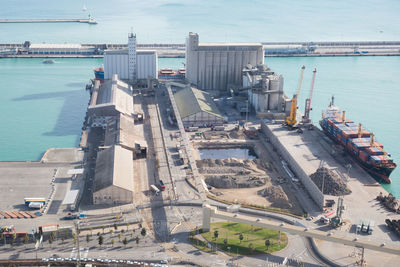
[(241, 238), (216, 234), (66, 232), (143, 232), (53, 235), (62, 239), (251, 247), (127, 225), (111, 231), (101, 240), (115, 226), (14, 237), (50, 241), (267, 243), (125, 241), (87, 238), (26, 239), (112, 242), (98, 233), (137, 240), (122, 231), (117, 217), (103, 227), (225, 242), (119, 237)]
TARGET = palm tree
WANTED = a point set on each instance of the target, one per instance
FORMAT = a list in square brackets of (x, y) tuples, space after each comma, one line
[(111, 231), (119, 237), (125, 242), (137, 240), (267, 243), (115, 226), (241, 238), (112, 242), (216, 234), (143, 232), (101, 240), (87, 238)]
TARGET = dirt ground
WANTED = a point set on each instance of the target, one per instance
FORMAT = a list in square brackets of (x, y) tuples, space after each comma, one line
[(273, 193)]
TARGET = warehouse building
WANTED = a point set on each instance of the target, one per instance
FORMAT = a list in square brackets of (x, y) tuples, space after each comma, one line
[(215, 66), (113, 179), (61, 49), (120, 130), (110, 98), (264, 88), (197, 108), (131, 64)]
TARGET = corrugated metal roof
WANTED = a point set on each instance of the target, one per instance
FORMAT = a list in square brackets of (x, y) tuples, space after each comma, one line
[(191, 101), (59, 46), (114, 167)]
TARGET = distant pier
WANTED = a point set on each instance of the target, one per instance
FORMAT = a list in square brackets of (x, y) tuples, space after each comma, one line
[(90, 20)]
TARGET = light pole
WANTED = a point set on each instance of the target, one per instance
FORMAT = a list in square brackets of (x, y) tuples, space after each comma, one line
[(77, 242)]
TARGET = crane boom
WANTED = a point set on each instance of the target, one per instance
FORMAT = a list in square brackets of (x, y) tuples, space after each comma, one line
[(306, 117), (291, 119)]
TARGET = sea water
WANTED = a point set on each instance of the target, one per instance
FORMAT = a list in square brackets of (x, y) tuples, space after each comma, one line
[(170, 21)]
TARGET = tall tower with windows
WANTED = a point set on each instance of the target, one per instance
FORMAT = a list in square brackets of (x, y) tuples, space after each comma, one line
[(132, 59)]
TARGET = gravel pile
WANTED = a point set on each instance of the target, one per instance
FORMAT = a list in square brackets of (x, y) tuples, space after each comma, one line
[(235, 181), (277, 197), (333, 184)]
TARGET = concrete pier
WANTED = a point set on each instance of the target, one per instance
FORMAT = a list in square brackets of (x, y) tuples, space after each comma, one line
[(90, 21)]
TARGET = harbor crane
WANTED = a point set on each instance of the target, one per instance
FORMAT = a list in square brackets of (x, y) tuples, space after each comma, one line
[(306, 117), (291, 119)]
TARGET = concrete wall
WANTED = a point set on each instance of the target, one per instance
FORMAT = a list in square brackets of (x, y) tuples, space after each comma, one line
[(147, 65), (116, 64), (311, 188), (113, 195)]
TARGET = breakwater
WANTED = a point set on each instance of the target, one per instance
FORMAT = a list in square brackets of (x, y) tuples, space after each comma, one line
[(271, 49), (90, 20)]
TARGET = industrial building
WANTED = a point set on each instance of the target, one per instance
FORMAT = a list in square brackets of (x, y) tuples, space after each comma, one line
[(264, 89), (110, 99), (131, 64), (61, 49), (113, 179), (197, 108), (120, 130), (215, 66)]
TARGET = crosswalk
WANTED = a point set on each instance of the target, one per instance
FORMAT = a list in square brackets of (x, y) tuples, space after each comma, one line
[(84, 253)]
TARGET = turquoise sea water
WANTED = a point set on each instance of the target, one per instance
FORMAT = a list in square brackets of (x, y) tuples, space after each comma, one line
[(169, 21), (43, 106)]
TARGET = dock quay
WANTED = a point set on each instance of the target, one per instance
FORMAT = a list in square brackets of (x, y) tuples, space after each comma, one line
[(271, 49), (90, 20)]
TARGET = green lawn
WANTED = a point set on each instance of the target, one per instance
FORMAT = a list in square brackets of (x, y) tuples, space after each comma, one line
[(253, 238)]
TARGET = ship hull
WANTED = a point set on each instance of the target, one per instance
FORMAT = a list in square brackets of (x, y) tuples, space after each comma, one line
[(381, 174)]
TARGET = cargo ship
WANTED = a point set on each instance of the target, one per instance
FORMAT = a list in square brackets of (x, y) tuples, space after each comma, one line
[(172, 74), (99, 74), (358, 142)]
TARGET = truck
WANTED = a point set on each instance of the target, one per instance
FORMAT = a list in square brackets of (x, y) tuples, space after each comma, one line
[(162, 185), (371, 227), (364, 227), (181, 159), (358, 227), (28, 200), (155, 189), (35, 205)]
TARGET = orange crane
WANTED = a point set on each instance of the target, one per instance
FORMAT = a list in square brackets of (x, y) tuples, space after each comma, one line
[(291, 119), (306, 117)]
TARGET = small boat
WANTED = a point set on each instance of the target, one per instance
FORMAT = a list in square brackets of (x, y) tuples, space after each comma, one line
[(48, 61)]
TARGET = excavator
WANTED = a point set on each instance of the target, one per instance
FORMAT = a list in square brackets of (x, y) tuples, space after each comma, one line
[(291, 119)]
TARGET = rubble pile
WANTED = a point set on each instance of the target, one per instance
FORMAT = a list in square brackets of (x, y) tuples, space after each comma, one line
[(333, 184), (276, 196)]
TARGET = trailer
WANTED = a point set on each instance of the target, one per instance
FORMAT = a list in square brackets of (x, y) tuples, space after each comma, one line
[(35, 205), (155, 189), (28, 200), (371, 227)]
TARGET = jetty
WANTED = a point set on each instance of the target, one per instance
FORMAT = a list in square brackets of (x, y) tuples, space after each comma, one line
[(90, 20)]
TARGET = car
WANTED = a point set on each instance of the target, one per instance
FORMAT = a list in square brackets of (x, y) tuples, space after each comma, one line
[(52, 259), (74, 259), (164, 261), (310, 218), (45, 259)]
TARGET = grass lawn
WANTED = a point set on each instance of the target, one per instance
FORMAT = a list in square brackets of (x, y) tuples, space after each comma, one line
[(253, 242)]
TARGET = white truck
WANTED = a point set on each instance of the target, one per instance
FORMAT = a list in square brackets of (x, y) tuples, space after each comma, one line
[(371, 227), (155, 189)]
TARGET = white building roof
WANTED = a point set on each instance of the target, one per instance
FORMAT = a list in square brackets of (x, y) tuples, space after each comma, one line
[(75, 171), (55, 46), (70, 197)]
